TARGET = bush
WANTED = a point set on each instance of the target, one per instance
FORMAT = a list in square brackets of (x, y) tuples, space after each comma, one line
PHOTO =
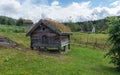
[(114, 39)]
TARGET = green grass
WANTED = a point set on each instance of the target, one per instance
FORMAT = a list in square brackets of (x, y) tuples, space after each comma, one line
[(91, 40), (79, 61), (13, 28)]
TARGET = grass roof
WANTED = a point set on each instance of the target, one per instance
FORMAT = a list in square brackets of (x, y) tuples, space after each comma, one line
[(27, 21), (58, 25)]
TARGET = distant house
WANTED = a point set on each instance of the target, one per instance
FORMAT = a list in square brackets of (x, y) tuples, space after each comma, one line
[(49, 34), (27, 23)]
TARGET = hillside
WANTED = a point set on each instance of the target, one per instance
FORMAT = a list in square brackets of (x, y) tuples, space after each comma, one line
[(79, 61), (101, 25)]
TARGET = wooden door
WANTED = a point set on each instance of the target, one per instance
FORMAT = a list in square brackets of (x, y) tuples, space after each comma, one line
[(44, 39)]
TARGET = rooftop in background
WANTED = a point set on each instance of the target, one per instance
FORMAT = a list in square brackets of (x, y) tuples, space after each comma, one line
[(27, 22)]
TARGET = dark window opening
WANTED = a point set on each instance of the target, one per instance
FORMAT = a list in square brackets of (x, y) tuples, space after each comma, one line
[(43, 29)]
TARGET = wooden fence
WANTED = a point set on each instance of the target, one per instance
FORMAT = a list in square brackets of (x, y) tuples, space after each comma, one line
[(92, 43)]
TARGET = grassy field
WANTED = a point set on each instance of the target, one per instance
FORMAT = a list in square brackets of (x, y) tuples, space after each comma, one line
[(79, 61), (93, 41), (13, 28)]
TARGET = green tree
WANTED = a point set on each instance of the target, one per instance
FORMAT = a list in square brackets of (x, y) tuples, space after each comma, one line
[(10, 21), (19, 22), (3, 20), (114, 39), (7, 20), (74, 26)]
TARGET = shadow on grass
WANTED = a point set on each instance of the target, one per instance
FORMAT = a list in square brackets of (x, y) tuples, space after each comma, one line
[(111, 69), (107, 69)]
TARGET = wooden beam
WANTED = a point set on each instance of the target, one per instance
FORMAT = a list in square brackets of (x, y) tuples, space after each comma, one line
[(59, 49), (69, 42), (68, 46)]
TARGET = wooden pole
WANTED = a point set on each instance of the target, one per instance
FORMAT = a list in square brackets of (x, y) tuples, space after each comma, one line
[(69, 42), (64, 48), (68, 46), (59, 49)]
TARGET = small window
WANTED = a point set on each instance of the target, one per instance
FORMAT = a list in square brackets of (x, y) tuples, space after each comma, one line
[(43, 29)]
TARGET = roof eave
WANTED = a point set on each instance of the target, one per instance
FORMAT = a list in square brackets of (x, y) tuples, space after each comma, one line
[(66, 33)]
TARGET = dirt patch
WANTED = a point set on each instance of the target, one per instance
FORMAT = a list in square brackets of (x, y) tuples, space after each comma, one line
[(5, 42)]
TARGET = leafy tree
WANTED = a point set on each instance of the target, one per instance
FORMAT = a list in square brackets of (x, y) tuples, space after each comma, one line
[(19, 22), (73, 26), (10, 21), (6, 20), (114, 39), (3, 20)]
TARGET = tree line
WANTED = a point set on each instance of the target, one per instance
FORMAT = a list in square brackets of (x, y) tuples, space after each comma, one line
[(87, 26), (101, 26), (10, 21)]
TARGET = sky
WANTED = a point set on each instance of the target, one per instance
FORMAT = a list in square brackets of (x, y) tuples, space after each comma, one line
[(60, 10)]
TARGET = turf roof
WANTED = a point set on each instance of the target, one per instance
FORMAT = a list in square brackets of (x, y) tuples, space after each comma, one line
[(58, 25)]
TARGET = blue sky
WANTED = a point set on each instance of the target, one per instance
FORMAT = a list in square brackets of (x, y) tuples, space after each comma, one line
[(94, 3), (60, 10)]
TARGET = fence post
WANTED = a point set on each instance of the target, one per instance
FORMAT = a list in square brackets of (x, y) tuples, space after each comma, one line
[(87, 42), (74, 41), (79, 41), (95, 44)]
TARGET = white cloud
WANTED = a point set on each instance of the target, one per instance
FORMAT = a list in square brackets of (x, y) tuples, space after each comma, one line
[(74, 11), (9, 7), (55, 3), (116, 3)]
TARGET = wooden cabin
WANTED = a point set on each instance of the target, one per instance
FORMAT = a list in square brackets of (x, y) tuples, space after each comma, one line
[(49, 34)]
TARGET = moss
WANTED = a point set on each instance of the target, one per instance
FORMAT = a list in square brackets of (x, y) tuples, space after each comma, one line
[(59, 26)]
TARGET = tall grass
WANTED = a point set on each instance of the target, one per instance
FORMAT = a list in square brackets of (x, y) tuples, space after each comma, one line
[(13, 28), (90, 40)]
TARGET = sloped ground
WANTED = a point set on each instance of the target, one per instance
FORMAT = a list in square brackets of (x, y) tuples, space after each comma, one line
[(7, 42), (79, 61)]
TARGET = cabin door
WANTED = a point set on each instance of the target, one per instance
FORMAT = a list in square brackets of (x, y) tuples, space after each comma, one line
[(44, 39)]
